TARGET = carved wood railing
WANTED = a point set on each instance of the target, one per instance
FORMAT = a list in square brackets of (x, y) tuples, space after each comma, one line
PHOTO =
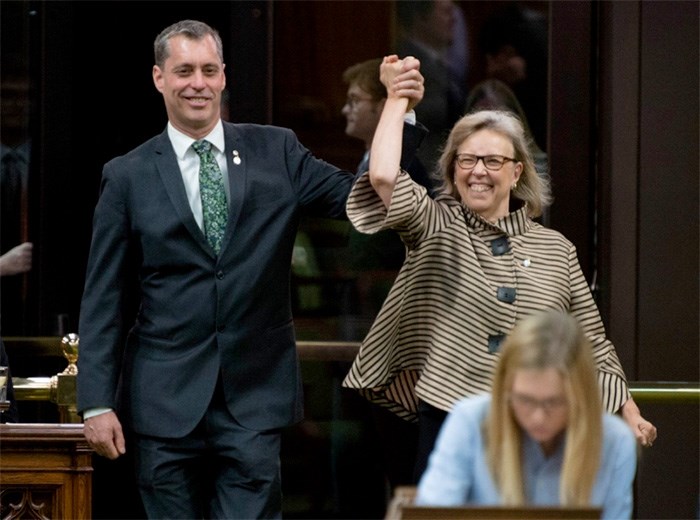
[(45, 472)]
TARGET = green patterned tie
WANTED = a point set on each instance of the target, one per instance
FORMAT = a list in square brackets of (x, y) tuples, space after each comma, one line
[(211, 188)]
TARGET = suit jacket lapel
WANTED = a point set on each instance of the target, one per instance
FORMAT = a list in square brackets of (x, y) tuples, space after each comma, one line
[(169, 171), (237, 163)]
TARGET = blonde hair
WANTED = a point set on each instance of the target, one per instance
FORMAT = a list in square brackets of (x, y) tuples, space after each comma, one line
[(551, 339), (532, 189)]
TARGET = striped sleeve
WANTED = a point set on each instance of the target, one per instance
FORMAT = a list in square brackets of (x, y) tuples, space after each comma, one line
[(365, 208), (412, 213), (611, 376)]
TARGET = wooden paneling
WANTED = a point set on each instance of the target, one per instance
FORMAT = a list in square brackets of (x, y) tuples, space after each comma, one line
[(618, 194), (669, 166), (648, 243), (570, 108), (314, 42)]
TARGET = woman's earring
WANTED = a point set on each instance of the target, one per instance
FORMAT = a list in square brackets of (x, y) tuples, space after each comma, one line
[(515, 185)]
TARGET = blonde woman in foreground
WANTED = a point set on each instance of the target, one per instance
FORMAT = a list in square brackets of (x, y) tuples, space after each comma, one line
[(541, 437)]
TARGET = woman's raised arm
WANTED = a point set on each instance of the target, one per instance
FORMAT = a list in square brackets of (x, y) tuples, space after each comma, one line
[(401, 78)]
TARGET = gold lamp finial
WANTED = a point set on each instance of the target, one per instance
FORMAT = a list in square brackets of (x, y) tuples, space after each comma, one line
[(69, 346)]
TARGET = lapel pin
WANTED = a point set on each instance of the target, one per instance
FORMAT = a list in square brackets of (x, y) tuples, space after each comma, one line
[(236, 158)]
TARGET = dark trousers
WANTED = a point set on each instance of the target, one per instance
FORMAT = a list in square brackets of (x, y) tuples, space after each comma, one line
[(430, 421), (219, 470), (398, 441)]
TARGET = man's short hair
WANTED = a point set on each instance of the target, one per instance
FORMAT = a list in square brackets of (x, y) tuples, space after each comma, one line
[(366, 75)]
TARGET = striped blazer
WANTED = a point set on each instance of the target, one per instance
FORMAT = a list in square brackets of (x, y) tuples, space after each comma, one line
[(463, 286)]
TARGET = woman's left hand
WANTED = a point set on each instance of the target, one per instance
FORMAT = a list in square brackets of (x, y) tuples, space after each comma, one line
[(643, 430)]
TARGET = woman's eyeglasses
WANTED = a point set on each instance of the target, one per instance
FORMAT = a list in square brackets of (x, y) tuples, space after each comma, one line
[(527, 404), (468, 161)]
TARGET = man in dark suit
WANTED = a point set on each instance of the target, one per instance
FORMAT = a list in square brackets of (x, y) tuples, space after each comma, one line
[(206, 374)]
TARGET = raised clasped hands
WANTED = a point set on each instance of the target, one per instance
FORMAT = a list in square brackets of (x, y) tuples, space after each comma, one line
[(402, 78)]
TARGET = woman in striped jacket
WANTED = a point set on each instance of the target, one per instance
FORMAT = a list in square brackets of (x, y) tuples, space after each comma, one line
[(476, 264)]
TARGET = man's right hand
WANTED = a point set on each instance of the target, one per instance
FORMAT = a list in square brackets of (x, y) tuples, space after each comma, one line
[(104, 435)]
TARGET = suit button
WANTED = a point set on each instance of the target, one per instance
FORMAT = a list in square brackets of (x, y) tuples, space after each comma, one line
[(219, 275), (220, 328)]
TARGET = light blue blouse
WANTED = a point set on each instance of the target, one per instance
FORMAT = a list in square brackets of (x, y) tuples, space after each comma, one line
[(458, 473)]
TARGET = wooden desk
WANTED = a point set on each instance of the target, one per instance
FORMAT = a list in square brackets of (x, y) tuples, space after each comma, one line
[(45, 472), (403, 508)]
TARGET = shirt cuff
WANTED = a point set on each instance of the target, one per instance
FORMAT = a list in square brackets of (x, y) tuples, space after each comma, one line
[(410, 117), (92, 412)]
